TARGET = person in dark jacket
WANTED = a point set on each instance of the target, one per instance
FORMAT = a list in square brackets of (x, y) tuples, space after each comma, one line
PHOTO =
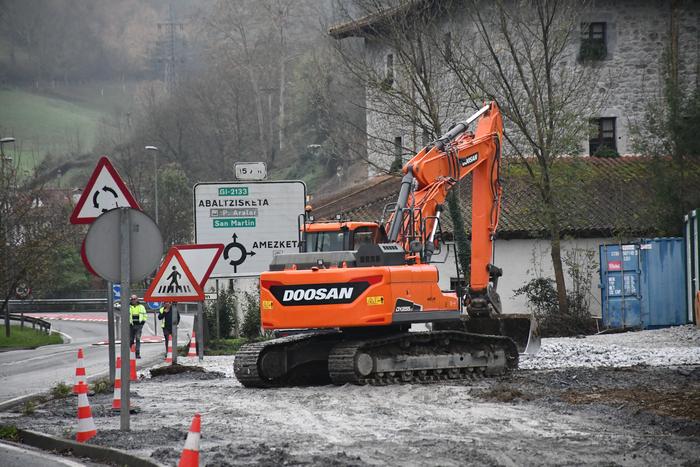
[(165, 315)]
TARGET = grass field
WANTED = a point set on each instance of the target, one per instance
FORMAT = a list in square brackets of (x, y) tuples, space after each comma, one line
[(60, 120), (27, 338)]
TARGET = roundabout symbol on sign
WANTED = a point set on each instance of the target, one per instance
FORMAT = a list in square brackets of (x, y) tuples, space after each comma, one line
[(242, 255), (23, 291), (96, 195)]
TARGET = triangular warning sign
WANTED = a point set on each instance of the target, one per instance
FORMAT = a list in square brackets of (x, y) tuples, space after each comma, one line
[(201, 259), (174, 282), (104, 191)]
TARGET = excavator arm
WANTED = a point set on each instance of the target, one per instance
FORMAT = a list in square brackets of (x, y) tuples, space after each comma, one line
[(429, 176)]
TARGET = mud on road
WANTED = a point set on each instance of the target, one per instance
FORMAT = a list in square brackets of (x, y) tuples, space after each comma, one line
[(563, 407)]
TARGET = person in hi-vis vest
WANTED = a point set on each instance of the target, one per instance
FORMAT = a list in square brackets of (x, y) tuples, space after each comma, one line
[(137, 318)]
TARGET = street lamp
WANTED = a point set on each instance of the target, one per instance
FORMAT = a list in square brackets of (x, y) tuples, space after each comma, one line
[(155, 173), (5, 232)]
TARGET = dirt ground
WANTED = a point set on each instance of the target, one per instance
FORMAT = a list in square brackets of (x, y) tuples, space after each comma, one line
[(561, 408)]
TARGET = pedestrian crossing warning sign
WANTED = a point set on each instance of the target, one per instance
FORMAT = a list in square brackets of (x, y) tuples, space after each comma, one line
[(174, 282)]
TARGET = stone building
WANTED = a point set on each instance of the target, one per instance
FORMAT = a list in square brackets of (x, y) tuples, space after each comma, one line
[(633, 46)]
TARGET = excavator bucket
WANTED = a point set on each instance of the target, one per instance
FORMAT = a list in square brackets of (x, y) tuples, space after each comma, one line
[(521, 328)]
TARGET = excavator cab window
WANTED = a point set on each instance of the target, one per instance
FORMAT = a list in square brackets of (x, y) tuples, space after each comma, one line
[(326, 241), (361, 236)]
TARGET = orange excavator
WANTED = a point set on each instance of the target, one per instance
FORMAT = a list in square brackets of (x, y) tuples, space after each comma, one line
[(345, 304)]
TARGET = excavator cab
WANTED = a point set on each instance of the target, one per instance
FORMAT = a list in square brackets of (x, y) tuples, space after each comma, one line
[(339, 236)]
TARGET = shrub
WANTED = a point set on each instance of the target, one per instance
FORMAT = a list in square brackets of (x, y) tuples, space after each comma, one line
[(29, 408), (102, 386), (251, 316), (228, 318), (9, 432), (61, 390), (541, 297)]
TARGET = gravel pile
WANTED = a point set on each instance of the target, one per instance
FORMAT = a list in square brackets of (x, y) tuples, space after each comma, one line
[(660, 347)]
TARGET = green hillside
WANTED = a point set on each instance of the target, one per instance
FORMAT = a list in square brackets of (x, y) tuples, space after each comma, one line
[(68, 120)]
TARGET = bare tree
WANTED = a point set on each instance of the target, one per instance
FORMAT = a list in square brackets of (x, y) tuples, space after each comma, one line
[(522, 54), (33, 224)]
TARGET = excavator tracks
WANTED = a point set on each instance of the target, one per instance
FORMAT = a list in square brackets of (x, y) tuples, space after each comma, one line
[(421, 358), (280, 362), (393, 359)]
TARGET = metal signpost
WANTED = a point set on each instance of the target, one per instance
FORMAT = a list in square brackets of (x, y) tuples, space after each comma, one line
[(254, 220), (125, 279), (110, 329), (124, 245)]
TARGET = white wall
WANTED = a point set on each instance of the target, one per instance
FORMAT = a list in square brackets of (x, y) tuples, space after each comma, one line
[(522, 260)]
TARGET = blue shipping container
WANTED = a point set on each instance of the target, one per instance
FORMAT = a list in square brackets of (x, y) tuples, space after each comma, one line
[(643, 283)]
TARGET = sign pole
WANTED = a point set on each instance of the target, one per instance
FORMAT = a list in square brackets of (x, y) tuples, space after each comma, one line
[(175, 313), (200, 331), (155, 321), (110, 329), (125, 279), (218, 303)]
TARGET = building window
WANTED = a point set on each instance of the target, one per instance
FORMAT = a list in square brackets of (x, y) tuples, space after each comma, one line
[(593, 42), (447, 39), (389, 71), (602, 140)]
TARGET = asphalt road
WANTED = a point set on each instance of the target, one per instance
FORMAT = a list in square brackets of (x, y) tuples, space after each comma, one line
[(24, 372), (13, 454)]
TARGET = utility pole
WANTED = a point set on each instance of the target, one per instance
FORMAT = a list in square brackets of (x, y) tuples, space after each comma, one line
[(170, 33)]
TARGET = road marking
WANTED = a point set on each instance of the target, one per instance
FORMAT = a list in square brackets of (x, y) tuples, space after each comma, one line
[(40, 357)]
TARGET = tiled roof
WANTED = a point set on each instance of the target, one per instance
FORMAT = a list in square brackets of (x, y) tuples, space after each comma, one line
[(369, 23), (595, 197)]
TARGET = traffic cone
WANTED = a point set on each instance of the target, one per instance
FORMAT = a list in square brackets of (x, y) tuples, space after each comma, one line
[(190, 454), (169, 356), (132, 363), (117, 401), (79, 372), (86, 424), (192, 351)]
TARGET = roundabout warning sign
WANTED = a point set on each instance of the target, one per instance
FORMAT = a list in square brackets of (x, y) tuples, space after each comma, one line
[(254, 221)]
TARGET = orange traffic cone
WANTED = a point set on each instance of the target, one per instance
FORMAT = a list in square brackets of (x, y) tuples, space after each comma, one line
[(117, 401), (132, 363), (86, 424), (192, 351), (190, 455), (169, 356), (79, 372)]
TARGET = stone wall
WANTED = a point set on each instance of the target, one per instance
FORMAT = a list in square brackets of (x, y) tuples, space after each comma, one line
[(637, 63), (632, 74)]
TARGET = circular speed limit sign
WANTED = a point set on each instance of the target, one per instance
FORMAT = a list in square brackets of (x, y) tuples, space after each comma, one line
[(23, 291)]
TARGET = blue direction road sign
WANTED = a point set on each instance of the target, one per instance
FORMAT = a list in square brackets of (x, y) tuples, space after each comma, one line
[(154, 305), (117, 292)]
